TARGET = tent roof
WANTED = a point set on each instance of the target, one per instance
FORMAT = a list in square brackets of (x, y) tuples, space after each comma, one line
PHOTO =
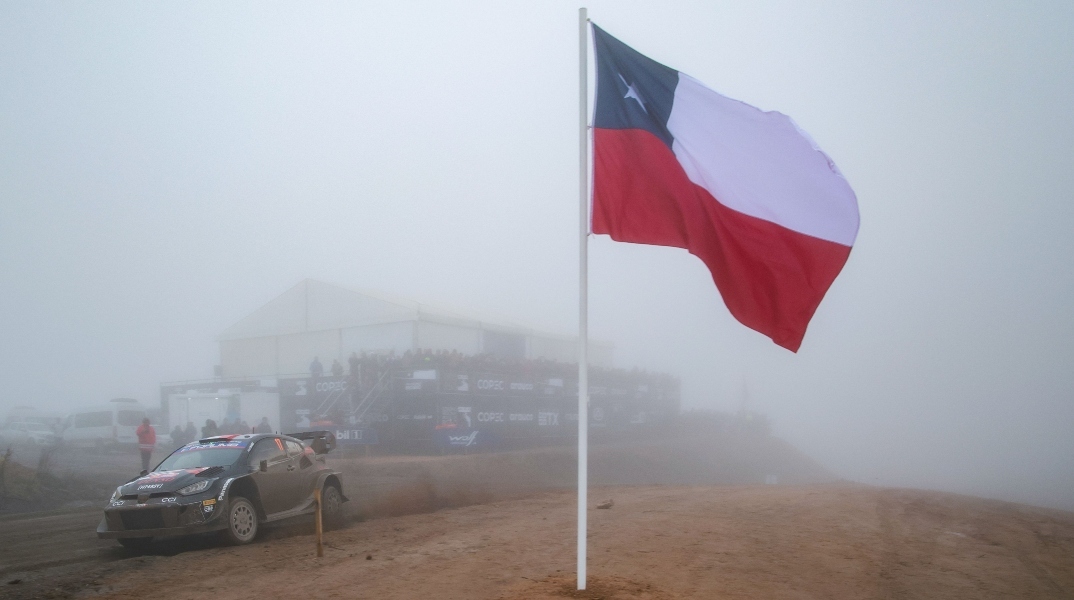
[(318, 306)]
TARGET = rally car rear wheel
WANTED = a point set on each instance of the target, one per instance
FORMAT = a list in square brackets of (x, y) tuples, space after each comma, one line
[(241, 521), (331, 507)]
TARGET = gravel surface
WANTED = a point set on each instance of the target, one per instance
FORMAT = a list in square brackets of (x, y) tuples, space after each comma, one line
[(688, 519), (656, 542)]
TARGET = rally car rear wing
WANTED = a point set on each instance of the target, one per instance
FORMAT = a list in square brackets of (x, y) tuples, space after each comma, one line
[(322, 442)]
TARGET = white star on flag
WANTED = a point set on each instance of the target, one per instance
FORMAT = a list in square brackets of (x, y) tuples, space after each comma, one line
[(632, 92)]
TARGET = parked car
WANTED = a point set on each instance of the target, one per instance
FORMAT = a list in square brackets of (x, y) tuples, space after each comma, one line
[(229, 483), (51, 419), (105, 425), (164, 440), (27, 433)]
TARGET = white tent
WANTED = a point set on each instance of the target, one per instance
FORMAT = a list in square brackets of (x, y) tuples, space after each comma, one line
[(319, 319)]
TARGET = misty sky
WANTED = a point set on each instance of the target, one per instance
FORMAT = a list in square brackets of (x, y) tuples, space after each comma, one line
[(165, 169)]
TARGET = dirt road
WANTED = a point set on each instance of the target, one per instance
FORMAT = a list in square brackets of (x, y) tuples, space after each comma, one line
[(401, 485), (51, 540), (502, 526), (656, 542)]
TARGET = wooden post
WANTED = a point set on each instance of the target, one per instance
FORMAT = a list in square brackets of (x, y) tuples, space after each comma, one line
[(320, 544)]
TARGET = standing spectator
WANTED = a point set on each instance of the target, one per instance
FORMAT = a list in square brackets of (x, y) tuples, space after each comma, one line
[(354, 364), (178, 437), (190, 432), (210, 429), (316, 369), (337, 369), (263, 426), (147, 440)]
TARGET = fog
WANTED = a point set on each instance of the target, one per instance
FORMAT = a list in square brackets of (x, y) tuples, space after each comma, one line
[(167, 169)]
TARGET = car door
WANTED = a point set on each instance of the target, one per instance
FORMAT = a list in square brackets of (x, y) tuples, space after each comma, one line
[(304, 470), (275, 483)]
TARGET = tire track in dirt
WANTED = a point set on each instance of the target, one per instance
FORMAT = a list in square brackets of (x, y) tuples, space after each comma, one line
[(657, 543), (1016, 539), (889, 585)]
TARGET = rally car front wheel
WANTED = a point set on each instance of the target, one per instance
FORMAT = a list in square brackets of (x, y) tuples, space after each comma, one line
[(241, 521)]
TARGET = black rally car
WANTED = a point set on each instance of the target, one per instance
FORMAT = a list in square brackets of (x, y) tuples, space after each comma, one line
[(228, 483)]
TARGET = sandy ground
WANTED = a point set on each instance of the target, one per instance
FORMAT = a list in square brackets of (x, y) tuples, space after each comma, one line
[(34, 543), (690, 520), (656, 542)]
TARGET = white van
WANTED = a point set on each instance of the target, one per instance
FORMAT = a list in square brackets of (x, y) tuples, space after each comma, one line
[(111, 424)]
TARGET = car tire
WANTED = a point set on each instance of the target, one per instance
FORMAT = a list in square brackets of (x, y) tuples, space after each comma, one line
[(241, 522), (331, 507), (139, 544)]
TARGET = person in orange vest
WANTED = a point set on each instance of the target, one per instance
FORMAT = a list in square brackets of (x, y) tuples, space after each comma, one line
[(147, 439)]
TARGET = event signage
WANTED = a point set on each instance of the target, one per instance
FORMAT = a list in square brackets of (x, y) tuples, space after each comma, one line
[(416, 386), (411, 408), (354, 436), (467, 438)]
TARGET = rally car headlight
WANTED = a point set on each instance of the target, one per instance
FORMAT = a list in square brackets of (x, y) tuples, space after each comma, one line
[(116, 494), (194, 488)]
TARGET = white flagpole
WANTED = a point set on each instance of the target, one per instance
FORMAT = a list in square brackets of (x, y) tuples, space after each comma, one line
[(583, 299)]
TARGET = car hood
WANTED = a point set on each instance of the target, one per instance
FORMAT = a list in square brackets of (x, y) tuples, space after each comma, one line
[(166, 481)]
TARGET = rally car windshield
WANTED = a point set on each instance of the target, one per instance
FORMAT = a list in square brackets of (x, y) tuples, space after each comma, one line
[(194, 457)]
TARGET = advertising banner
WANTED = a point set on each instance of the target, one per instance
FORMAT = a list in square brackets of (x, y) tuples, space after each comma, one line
[(445, 406), (457, 439), (354, 436)]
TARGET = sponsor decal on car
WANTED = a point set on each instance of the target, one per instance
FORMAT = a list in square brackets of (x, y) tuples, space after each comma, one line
[(150, 486), (165, 476), (223, 490), (211, 445)]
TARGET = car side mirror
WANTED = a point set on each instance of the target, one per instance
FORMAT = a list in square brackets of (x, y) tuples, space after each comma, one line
[(263, 466)]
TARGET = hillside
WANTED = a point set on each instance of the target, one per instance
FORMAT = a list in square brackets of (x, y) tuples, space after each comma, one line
[(704, 455)]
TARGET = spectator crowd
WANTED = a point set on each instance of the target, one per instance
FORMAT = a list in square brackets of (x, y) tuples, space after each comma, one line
[(367, 368)]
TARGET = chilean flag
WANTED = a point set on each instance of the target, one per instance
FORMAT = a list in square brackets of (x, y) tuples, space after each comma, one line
[(746, 191)]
